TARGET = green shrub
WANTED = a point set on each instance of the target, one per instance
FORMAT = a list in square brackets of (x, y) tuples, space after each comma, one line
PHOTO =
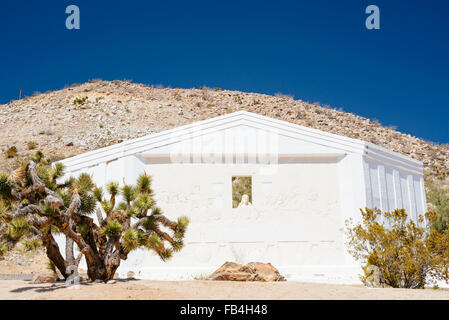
[(404, 253)]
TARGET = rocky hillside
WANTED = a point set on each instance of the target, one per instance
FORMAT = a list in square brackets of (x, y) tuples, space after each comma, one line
[(88, 116)]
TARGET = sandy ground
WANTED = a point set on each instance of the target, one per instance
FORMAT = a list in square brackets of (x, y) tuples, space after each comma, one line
[(19, 266), (20, 262), (193, 290)]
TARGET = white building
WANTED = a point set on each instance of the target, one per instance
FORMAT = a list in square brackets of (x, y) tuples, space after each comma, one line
[(305, 184)]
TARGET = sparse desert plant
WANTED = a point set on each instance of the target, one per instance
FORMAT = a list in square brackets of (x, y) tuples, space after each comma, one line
[(80, 101), (31, 145), (404, 253), (11, 152), (34, 204), (32, 244), (238, 99), (201, 276)]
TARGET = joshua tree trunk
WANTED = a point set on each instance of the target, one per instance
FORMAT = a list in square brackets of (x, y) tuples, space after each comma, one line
[(54, 254)]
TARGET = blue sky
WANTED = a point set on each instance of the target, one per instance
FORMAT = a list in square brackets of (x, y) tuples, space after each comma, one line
[(318, 51)]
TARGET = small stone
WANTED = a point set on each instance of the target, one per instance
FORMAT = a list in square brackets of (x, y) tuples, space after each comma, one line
[(112, 282), (19, 262)]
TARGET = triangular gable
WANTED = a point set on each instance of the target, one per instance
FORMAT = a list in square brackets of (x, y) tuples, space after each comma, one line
[(293, 139)]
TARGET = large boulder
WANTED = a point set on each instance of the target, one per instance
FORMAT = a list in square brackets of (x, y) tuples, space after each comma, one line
[(253, 271)]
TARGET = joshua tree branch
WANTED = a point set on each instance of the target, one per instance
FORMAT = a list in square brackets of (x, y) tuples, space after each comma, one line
[(166, 222)]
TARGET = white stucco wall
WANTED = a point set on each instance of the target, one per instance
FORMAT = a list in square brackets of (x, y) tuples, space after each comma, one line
[(300, 205), (390, 187), (294, 221)]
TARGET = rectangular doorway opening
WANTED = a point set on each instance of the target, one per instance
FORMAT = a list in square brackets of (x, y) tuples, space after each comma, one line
[(242, 191)]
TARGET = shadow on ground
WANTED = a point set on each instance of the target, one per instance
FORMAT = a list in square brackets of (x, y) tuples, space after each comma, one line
[(60, 285)]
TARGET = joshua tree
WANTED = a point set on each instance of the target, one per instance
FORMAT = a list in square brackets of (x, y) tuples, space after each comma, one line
[(34, 207)]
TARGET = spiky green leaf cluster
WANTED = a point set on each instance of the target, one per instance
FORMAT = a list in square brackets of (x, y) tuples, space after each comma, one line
[(144, 183), (153, 242), (84, 183), (143, 203), (66, 198), (44, 173), (112, 229), (98, 193), (177, 245), (88, 203), (68, 183), (107, 206), (129, 193), (123, 206), (156, 211), (58, 170), (166, 254), (149, 223), (17, 228), (130, 239), (6, 186), (181, 227), (49, 175), (112, 188), (84, 186)]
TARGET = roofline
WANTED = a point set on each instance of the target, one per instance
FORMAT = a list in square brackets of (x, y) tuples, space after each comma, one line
[(148, 142)]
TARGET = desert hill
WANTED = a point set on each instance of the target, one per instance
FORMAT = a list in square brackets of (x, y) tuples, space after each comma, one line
[(88, 116)]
